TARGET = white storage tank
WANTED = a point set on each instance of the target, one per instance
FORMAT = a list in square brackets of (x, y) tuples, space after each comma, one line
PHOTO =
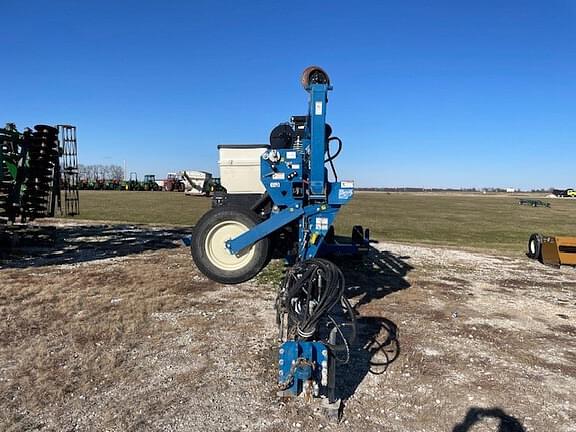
[(195, 181), (240, 167)]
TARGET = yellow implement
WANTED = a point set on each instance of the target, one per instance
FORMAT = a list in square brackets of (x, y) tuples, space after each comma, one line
[(553, 251)]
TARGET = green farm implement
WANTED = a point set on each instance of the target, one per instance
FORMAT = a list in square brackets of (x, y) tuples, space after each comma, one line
[(533, 203), (38, 172)]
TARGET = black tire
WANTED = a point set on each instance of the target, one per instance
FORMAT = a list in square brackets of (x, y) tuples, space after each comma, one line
[(535, 247), (211, 259)]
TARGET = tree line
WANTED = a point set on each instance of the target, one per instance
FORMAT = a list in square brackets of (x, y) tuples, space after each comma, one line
[(100, 172)]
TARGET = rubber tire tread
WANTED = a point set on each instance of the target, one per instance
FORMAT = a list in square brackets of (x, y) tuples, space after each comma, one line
[(537, 255), (212, 218)]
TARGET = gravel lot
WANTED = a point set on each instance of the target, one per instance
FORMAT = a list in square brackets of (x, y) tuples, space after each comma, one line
[(111, 327)]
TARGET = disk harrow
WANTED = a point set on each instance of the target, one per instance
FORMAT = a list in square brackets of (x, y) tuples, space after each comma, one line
[(31, 178)]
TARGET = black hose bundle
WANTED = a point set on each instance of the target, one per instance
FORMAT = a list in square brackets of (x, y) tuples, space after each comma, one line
[(330, 157), (312, 297)]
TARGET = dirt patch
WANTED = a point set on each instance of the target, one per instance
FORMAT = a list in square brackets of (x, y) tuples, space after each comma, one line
[(448, 341)]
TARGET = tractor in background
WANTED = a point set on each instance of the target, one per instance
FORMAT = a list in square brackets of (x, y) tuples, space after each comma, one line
[(132, 184), (150, 184), (174, 183)]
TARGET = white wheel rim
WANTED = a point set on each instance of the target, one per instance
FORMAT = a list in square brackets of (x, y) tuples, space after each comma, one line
[(215, 246), (533, 247)]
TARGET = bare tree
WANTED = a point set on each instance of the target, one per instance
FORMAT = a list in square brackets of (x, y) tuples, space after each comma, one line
[(83, 172), (91, 171), (101, 172), (116, 172)]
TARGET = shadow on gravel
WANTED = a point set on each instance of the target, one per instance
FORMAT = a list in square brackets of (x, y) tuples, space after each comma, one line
[(376, 346), (476, 415), (375, 275), (44, 245)]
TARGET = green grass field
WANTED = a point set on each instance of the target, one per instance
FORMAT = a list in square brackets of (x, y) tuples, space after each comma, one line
[(490, 222)]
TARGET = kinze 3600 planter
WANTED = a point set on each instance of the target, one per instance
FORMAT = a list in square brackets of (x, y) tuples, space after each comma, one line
[(279, 197)]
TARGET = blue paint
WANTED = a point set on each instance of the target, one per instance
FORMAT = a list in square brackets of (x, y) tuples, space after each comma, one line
[(263, 229), (317, 128), (315, 356), (297, 182)]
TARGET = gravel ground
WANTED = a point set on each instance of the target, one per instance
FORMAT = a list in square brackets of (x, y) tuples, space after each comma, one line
[(111, 327)]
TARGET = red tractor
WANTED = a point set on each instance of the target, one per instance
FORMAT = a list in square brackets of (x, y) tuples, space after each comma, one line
[(173, 183)]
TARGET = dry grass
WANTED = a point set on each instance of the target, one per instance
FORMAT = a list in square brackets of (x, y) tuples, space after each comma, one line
[(143, 342), (164, 208), (494, 222), (489, 222), (66, 338)]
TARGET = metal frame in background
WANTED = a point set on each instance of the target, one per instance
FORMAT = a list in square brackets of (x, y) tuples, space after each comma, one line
[(69, 170)]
